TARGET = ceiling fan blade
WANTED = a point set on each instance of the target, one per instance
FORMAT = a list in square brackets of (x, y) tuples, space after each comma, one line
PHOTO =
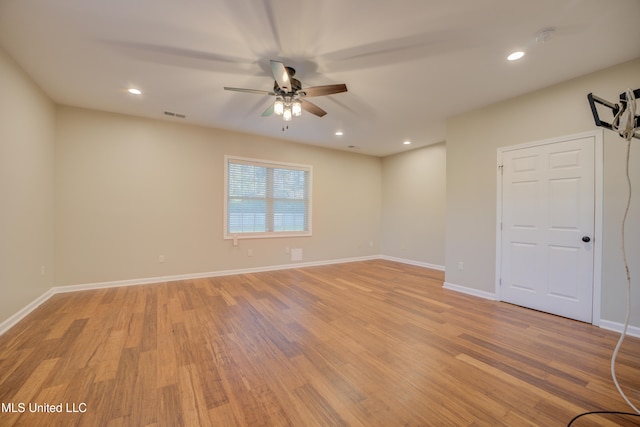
[(256, 91), (323, 90), (185, 58), (281, 75), (312, 108), (268, 112)]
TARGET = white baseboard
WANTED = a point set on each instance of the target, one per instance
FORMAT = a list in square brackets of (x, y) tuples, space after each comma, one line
[(470, 291), (175, 278), (412, 262), (604, 324), (13, 320), (618, 327)]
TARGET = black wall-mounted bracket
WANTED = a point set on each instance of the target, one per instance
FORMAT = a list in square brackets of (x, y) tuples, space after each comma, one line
[(615, 110)]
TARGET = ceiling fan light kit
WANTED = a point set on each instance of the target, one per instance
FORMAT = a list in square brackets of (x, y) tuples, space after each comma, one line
[(287, 108), (287, 115), (296, 108), (278, 107), (290, 95)]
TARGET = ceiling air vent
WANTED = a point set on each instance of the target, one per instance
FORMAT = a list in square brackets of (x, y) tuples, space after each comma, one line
[(172, 114)]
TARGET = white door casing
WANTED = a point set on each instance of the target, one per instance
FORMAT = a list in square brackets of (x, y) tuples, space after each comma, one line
[(548, 202)]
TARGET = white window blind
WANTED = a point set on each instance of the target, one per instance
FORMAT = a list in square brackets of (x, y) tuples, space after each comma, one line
[(265, 199)]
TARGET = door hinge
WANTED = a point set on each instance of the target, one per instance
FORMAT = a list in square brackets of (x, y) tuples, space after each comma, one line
[(501, 167)]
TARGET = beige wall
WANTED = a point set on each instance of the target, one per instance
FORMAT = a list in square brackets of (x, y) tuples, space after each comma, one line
[(413, 205), (472, 142), (129, 190), (27, 119)]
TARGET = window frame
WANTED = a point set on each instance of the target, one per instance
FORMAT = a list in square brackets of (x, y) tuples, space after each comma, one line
[(269, 164)]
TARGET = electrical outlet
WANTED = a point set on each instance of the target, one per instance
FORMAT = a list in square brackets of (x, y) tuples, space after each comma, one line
[(249, 252), (161, 259), (42, 270), (460, 265)]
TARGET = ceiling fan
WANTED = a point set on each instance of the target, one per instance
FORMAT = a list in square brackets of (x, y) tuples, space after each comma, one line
[(290, 96)]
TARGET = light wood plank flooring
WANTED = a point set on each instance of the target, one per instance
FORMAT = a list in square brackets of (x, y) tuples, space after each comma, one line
[(372, 343)]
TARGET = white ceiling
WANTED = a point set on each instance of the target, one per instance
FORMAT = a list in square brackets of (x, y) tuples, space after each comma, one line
[(408, 64)]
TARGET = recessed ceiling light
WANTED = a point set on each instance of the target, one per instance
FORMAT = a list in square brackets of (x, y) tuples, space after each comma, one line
[(339, 133), (407, 143), (134, 91), (515, 55)]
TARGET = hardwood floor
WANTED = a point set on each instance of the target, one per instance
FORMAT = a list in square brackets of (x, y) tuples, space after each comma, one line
[(372, 343)]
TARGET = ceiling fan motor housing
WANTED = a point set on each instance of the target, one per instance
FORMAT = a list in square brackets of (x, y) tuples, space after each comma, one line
[(295, 85), (288, 90)]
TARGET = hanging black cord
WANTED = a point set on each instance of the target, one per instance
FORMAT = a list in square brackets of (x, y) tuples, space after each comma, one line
[(630, 414)]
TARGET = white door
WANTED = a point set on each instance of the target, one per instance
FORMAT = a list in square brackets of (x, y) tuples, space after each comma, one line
[(548, 202)]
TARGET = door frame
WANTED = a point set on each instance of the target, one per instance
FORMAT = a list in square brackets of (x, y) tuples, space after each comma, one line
[(598, 136)]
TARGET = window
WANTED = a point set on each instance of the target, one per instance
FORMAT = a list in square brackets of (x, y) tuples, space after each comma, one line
[(266, 199)]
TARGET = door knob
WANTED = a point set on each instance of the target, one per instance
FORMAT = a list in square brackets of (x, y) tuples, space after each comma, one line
[(586, 239)]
